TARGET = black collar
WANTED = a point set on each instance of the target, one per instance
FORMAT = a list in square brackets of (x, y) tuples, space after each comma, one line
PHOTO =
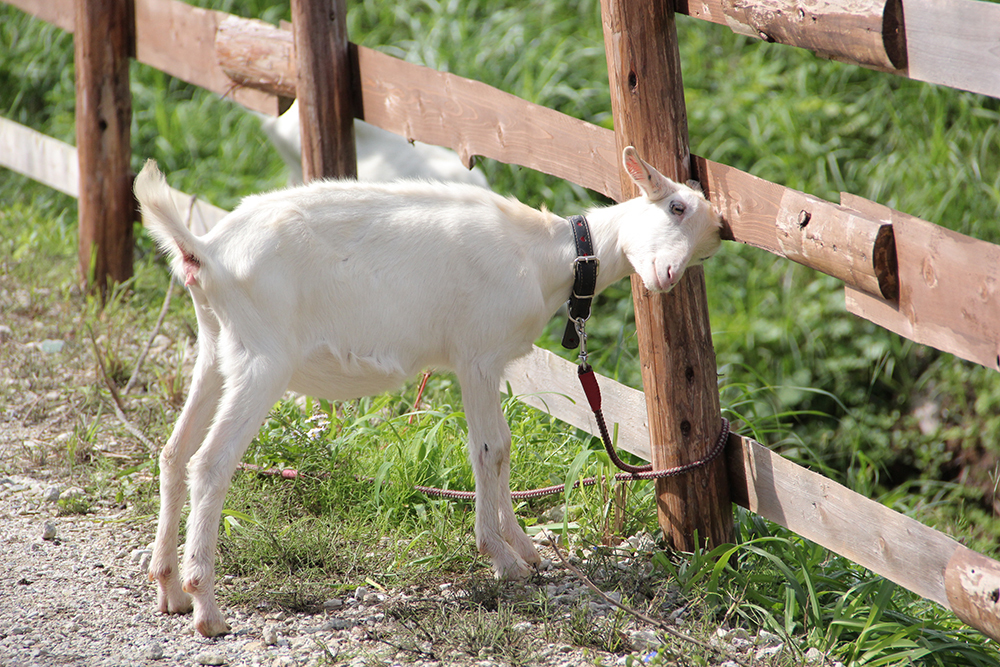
[(586, 266)]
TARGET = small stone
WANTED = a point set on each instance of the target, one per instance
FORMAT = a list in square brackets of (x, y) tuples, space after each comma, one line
[(814, 656), (210, 658), (144, 560), (765, 638), (333, 603), (6, 333), (338, 624), (270, 635), (51, 494), (645, 640), (51, 346), (49, 530), (768, 651), (155, 652), (523, 626), (542, 538)]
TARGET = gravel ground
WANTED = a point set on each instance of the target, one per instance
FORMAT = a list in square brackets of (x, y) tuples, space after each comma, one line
[(73, 592)]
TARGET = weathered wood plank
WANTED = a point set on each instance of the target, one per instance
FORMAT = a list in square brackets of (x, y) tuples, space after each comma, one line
[(955, 43), (473, 118), (179, 39), (862, 32), (868, 533), (171, 36), (546, 381), (839, 242), (972, 582), (256, 54), (865, 32), (38, 156), (60, 13), (949, 288), (811, 231), (104, 42), (899, 548), (55, 163)]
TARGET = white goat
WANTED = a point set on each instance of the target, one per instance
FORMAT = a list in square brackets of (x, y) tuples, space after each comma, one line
[(382, 155), (340, 289)]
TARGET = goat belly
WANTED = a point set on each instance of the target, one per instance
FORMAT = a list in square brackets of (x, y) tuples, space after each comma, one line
[(342, 376)]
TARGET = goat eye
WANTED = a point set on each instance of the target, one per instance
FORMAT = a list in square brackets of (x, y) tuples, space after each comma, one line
[(677, 208)]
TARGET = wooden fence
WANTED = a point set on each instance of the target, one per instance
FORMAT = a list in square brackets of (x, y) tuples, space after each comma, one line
[(910, 276)]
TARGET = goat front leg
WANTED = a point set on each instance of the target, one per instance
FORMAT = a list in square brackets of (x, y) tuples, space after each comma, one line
[(186, 438), (497, 533), (245, 403), (512, 531)]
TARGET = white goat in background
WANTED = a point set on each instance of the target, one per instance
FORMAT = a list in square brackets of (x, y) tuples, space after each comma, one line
[(382, 155), (340, 289)]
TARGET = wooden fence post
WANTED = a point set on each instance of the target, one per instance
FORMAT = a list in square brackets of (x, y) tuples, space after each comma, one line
[(324, 88), (675, 339), (104, 41)]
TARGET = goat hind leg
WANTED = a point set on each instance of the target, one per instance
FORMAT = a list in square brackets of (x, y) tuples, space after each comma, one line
[(186, 438), (240, 414)]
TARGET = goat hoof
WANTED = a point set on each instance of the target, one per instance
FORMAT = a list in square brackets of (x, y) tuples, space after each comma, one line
[(212, 627), (525, 548), (514, 569), (174, 602)]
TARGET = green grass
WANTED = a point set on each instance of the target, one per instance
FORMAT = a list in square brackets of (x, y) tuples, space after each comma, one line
[(913, 428)]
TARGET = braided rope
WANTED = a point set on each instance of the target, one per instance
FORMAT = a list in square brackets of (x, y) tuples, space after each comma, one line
[(632, 472)]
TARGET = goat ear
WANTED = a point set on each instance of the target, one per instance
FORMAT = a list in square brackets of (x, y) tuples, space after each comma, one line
[(653, 184)]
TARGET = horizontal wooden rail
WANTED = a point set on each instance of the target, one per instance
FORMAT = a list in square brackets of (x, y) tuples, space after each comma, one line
[(949, 288), (173, 37), (811, 231), (899, 548), (40, 157), (863, 32), (955, 43)]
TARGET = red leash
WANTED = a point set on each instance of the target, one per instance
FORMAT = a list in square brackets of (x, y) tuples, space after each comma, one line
[(593, 392)]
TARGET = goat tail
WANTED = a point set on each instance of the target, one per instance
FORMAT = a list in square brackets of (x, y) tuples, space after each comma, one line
[(164, 223)]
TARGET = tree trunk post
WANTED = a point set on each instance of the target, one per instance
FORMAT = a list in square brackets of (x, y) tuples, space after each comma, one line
[(675, 338), (324, 88), (104, 40)]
